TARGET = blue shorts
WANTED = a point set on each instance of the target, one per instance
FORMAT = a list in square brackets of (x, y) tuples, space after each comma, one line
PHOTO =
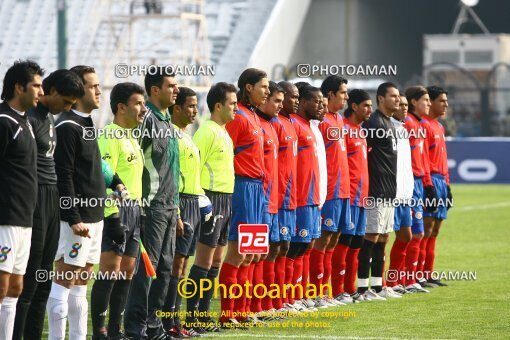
[(402, 217), (358, 223), (336, 214), (316, 231), (287, 224), (417, 209), (272, 221), (306, 223), (247, 204), (442, 194)]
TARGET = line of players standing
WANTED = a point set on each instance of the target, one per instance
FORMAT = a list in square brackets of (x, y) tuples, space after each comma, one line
[(268, 154)]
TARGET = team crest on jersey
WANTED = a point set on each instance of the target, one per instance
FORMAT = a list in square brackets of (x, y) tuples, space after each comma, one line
[(418, 215), (284, 231), (303, 233), (328, 222), (288, 137), (75, 250), (4, 251)]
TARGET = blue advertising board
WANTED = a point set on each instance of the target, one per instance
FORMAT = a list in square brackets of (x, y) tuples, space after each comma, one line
[(479, 159)]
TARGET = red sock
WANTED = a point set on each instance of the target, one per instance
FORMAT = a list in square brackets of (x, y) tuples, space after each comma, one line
[(306, 270), (351, 270), (279, 279), (421, 259), (411, 261), (289, 275), (317, 270), (429, 258), (397, 258), (258, 279), (240, 303), (328, 265), (269, 279), (227, 277), (338, 271), (297, 277)]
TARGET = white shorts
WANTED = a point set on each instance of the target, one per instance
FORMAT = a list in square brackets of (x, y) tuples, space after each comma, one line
[(77, 250), (380, 219), (14, 249)]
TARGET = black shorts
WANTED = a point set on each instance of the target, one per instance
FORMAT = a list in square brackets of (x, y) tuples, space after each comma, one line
[(190, 215), (130, 220), (215, 231)]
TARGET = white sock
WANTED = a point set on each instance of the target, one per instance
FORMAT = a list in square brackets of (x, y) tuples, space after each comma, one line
[(57, 311), (7, 315), (78, 311)]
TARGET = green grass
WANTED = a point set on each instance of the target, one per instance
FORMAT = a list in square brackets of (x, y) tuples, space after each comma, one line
[(475, 239)]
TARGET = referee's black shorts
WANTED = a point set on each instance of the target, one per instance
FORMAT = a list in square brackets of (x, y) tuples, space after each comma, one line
[(190, 215), (215, 231)]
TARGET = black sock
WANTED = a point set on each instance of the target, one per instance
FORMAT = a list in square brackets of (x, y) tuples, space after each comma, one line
[(170, 302), (364, 256), (177, 309), (356, 242), (99, 298), (196, 274), (345, 239), (205, 302), (22, 308), (118, 301), (377, 263)]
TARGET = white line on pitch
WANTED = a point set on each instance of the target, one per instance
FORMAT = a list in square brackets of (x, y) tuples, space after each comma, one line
[(485, 206)]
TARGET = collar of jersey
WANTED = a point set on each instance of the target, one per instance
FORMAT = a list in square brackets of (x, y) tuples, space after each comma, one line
[(157, 112), (81, 114)]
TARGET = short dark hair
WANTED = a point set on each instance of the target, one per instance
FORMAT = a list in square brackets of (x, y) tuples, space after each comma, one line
[(435, 91), (156, 78), (65, 82), (383, 88), (121, 94), (305, 92), (274, 88), (356, 96), (184, 92), (332, 83), (22, 72), (301, 84), (218, 94), (249, 76), (414, 92), (82, 70), (286, 86)]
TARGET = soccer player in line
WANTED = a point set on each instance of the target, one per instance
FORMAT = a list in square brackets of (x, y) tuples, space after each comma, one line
[(287, 180), (61, 89), (22, 90), (79, 176), (323, 193), (217, 180), (160, 185), (382, 169), (343, 278), (121, 233), (265, 268), (336, 210), (405, 255), (439, 170), (308, 185), (184, 113), (248, 196), (405, 187)]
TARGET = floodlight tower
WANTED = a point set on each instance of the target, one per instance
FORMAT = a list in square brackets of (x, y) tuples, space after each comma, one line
[(466, 11)]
